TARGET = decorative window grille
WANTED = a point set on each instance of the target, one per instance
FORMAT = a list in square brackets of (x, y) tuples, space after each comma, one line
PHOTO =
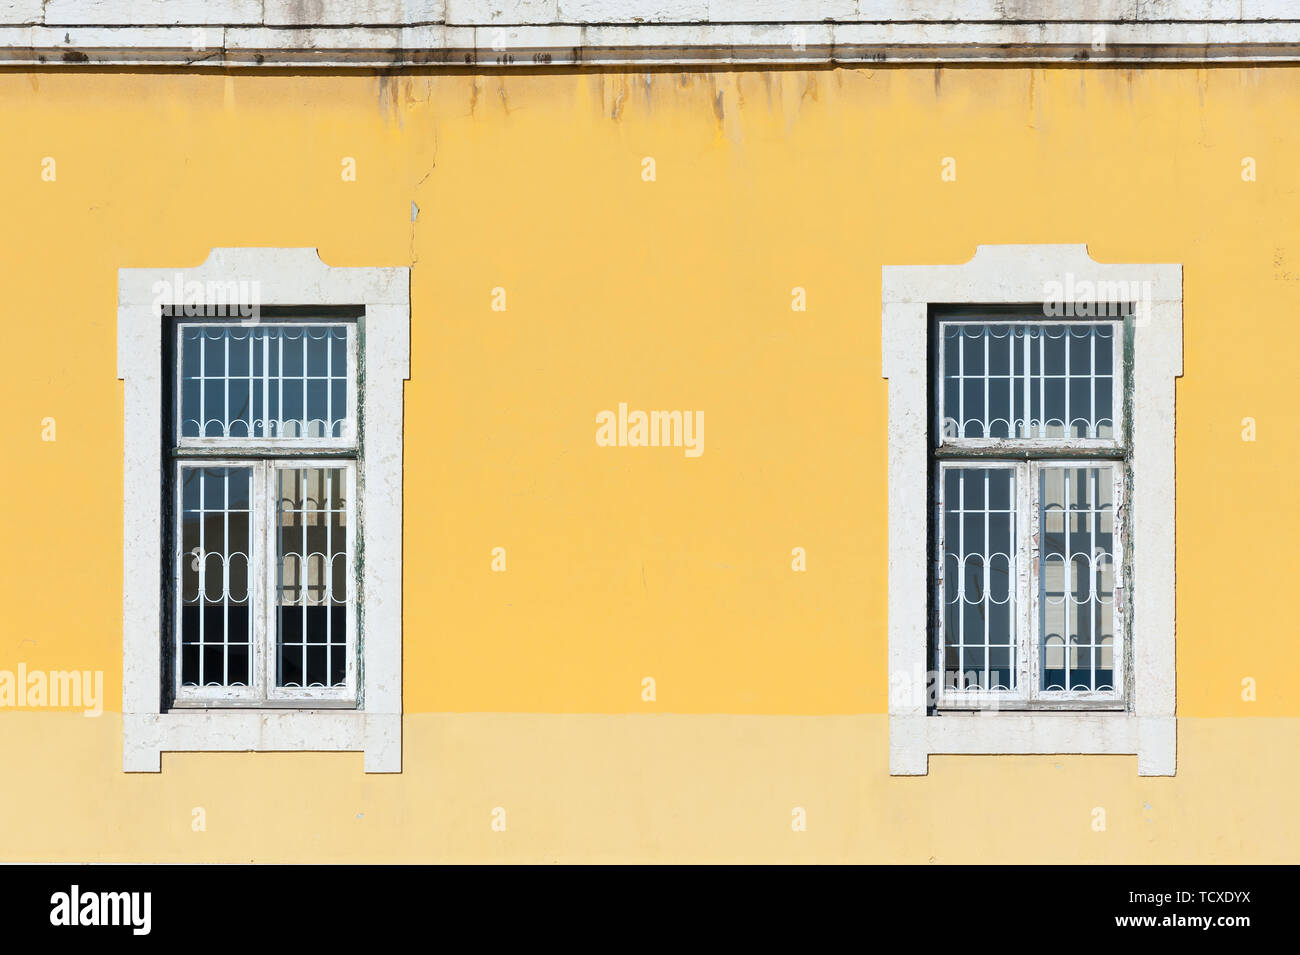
[(265, 447), (1029, 491), (246, 385), (1031, 381)]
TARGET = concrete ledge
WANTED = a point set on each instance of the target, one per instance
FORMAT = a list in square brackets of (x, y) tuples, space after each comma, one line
[(571, 33), (149, 735), (913, 739), (631, 12)]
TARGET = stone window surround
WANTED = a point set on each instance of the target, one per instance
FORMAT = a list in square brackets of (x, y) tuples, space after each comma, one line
[(283, 277), (1018, 274)]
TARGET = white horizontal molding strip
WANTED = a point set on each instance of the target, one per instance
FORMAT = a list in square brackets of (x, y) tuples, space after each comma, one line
[(515, 33), (296, 13)]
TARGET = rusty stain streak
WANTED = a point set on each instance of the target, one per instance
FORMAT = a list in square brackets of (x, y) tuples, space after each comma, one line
[(810, 87), (617, 111)]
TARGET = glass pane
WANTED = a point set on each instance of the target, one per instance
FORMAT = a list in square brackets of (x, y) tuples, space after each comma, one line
[(264, 381), (314, 591), (979, 588), (1077, 582), (215, 548), (1050, 381)]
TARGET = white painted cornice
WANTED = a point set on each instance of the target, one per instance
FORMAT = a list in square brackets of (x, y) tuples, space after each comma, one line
[(568, 33)]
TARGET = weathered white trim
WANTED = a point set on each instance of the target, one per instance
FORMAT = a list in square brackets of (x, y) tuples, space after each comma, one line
[(282, 277), (529, 33), (1020, 274)]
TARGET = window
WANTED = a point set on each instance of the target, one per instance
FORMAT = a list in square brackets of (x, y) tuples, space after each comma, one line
[(262, 458), (1028, 556), (264, 606), (1031, 506)]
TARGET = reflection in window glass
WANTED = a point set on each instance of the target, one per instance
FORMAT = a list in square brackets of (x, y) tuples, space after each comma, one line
[(1077, 583), (313, 593)]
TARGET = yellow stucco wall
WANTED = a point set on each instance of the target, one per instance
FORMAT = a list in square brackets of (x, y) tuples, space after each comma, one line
[(522, 689)]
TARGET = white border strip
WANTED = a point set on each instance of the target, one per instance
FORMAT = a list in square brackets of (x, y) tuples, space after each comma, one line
[(1020, 274), (651, 44), (283, 277)]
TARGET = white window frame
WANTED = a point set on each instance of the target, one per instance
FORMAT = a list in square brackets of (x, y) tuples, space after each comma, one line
[(264, 566), (372, 723), (1017, 445), (1019, 275), (346, 441), (346, 694), (185, 696), (1027, 694)]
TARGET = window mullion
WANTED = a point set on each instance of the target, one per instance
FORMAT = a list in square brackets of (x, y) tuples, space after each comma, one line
[(940, 565), (1118, 412), (1029, 592), (1119, 610), (350, 583), (225, 565), (941, 607), (266, 592), (352, 421), (178, 572), (941, 399)]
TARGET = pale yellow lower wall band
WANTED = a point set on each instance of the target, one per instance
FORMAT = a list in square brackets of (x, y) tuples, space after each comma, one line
[(622, 788)]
